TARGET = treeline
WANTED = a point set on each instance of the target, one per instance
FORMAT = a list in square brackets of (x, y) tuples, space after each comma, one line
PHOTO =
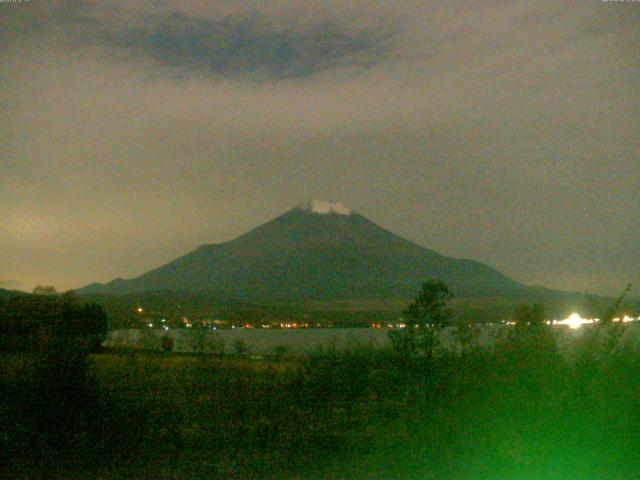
[(28, 322), (122, 310)]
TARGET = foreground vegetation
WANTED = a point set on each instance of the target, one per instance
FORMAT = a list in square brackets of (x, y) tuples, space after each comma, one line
[(520, 412)]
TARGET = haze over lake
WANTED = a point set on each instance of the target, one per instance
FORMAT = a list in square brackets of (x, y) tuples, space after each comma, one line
[(305, 341)]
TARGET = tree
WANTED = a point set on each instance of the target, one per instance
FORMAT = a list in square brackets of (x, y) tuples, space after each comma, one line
[(468, 334), (44, 290), (614, 309), (27, 320), (95, 323), (528, 317), (427, 315), (199, 336), (606, 337)]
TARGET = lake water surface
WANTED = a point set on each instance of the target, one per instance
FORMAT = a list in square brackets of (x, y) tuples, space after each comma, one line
[(305, 341)]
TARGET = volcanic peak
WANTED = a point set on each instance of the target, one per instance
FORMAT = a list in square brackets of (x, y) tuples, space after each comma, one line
[(324, 207)]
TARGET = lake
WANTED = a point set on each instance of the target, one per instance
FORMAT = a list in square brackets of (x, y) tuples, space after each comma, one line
[(304, 341)]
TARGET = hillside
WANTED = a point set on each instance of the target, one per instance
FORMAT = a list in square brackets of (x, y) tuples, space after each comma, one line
[(319, 251)]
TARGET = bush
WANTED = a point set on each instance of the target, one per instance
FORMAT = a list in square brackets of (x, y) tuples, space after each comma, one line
[(28, 320)]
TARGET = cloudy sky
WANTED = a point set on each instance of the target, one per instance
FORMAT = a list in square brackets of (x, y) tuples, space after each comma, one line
[(507, 132)]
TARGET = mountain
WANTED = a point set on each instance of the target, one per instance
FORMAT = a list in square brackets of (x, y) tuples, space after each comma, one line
[(317, 251)]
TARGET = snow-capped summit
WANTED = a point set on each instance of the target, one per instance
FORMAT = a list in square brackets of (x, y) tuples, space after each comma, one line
[(324, 206)]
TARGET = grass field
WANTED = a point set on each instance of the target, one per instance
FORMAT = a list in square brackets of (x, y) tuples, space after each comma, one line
[(520, 413)]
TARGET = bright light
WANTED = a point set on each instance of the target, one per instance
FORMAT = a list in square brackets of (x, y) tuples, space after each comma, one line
[(575, 321), (139, 309), (624, 319)]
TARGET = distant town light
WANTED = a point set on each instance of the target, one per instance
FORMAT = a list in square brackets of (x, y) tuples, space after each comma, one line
[(140, 310), (625, 319), (575, 321)]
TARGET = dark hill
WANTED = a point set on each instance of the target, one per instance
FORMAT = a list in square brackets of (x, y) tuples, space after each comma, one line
[(320, 251), (5, 294)]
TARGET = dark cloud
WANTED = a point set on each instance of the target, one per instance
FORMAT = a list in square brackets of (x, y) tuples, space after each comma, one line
[(244, 47), (243, 43)]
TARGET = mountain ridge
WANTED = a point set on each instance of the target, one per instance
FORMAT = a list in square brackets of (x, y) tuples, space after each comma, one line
[(316, 251)]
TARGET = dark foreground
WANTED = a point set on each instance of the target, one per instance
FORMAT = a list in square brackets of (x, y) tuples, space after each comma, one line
[(522, 412)]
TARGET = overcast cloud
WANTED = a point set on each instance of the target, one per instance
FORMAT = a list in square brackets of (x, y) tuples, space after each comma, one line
[(507, 132)]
